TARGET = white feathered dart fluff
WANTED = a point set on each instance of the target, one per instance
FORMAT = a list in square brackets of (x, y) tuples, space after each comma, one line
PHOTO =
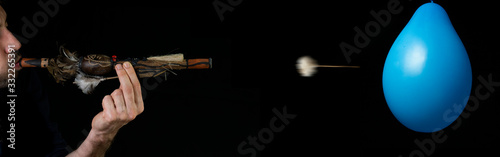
[(86, 84), (306, 66)]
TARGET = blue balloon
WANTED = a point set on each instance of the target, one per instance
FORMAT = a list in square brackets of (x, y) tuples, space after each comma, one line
[(427, 75)]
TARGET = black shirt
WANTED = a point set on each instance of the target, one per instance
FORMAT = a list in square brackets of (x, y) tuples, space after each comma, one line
[(35, 134)]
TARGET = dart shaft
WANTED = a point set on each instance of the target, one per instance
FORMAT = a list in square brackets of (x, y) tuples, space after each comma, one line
[(337, 66)]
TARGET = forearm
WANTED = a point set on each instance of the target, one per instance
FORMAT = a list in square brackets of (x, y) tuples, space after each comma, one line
[(95, 145)]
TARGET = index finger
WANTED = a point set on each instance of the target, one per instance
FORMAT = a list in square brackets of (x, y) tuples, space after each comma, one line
[(125, 85), (135, 82)]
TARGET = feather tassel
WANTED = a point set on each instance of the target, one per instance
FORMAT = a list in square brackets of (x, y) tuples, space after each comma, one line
[(86, 84)]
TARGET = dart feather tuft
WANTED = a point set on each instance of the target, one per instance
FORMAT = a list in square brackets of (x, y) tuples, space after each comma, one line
[(306, 66), (86, 84)]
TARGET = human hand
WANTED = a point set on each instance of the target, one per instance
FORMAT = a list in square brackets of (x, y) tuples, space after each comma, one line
[(122, 106)]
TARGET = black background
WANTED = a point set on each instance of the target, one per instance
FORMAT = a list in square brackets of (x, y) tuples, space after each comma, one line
[(254, 51)]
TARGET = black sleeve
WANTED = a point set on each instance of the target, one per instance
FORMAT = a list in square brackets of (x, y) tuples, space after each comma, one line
[(39, 94), (35, 133)]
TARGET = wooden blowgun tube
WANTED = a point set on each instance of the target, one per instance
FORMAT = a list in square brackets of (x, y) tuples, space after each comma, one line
[(104, 65), (199, 63), (187, 64), (34, 62)]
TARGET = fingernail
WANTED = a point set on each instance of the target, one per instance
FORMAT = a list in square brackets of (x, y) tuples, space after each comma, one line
[(119, 66), (126, 65)]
